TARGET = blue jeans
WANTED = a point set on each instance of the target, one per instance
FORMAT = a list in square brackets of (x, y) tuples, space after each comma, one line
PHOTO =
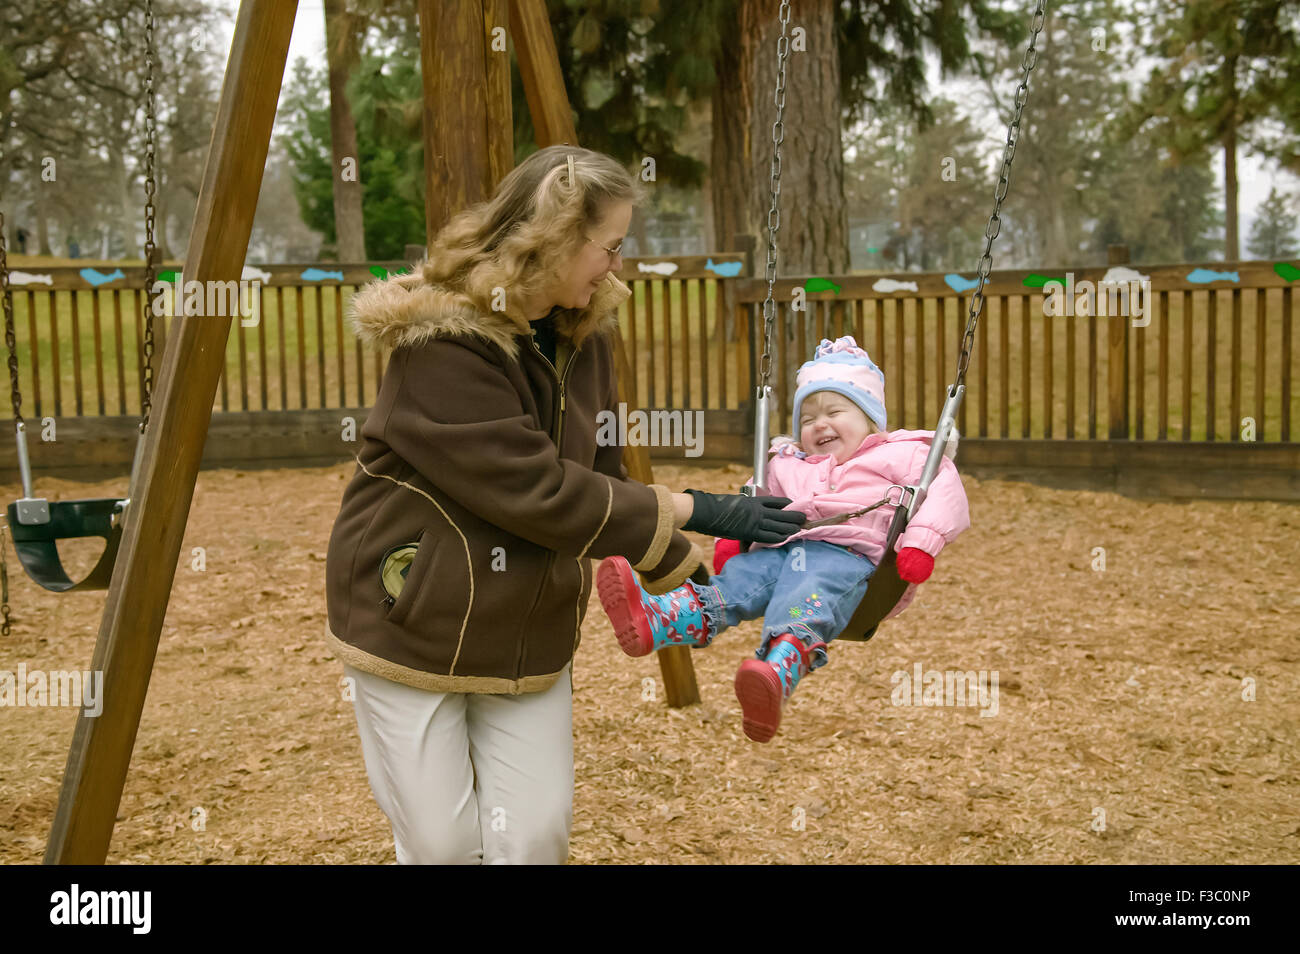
[(808, 588)]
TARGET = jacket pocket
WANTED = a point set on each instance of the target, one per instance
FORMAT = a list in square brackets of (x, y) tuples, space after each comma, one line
[(402, 572)]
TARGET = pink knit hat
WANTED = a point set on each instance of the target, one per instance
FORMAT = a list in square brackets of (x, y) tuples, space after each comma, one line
[(841, 366)]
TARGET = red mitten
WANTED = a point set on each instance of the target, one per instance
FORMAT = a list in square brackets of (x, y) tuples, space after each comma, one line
[(914, 566), (723, 550)]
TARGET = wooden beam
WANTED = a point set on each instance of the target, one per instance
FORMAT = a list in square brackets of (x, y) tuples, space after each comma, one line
[(156, 518), (680, 686), (539, 68), (548, 104), (468, 126)]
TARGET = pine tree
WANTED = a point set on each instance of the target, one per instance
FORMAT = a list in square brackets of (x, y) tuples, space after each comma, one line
[(1226, 65)]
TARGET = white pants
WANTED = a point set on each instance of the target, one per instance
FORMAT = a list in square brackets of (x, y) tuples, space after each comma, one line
[(469, 778)]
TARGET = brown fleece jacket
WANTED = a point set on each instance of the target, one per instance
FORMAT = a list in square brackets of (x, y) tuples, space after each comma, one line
[(481, 481)]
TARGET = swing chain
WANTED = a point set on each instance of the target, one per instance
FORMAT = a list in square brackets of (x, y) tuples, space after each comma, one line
[(11, 340), (4, 580), (995, 220), (150, 188), (774, 212)]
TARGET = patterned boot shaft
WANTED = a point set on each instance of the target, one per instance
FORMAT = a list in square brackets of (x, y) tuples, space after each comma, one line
[(677, 618), (786, 658)]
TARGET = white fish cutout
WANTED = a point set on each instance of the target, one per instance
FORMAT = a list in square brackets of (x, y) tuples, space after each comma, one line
[(658, 268), (886, 285), (1121, 275), (27, 278), (250, 273)]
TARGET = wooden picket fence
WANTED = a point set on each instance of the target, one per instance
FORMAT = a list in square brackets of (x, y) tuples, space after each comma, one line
[(1213, 361)]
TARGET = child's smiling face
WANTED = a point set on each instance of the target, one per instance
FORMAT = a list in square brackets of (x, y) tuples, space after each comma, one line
[(829, 423)]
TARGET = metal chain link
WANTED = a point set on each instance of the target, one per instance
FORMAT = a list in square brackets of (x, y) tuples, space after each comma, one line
[(4, 581), (774, 212), (11, 341), (994, 225), (150, 189)]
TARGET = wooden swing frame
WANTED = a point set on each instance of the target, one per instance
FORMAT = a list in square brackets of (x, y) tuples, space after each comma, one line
[(466, 103)]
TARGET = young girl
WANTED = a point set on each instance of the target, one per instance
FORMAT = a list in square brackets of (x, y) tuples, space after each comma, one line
[(808, 587)]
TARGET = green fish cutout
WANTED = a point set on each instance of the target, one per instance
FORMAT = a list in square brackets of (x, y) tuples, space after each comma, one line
[(1286, 271), (821, 285), (1034, 280), (168, 276), (381, 273)]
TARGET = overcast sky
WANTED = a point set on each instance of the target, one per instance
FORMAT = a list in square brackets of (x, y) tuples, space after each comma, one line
[(1255, 178)]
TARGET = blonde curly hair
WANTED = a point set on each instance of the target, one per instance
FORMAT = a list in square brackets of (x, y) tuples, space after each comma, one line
[(527, 232)]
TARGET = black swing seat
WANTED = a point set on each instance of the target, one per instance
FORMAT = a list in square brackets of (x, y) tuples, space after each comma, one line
[(35, 543)]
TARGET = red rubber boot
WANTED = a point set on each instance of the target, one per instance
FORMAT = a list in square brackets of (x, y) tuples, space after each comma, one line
[(645, 623), (763, 686)]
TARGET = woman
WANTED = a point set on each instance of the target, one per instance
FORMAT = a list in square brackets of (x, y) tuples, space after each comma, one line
[(458, 570)]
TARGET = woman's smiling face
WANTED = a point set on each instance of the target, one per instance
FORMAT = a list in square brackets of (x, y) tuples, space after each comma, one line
[(829, 423), (593, 262)]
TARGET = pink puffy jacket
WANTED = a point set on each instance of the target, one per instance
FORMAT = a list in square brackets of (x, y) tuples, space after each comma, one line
[(820, 487)]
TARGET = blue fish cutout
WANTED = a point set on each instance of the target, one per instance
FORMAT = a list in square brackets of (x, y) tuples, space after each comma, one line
[(724, 269), (99, 278), (317, 275), (959, 284), (1203, 276)]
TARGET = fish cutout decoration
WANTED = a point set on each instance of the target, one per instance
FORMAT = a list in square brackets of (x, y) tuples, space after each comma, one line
[(724, 269), (1286, 271), (1119, 275), (98, 278), (959, 284), (382, 273), (169, 276), (1034, 280), (250, 273), (886, 285), (27, 278), (658, 268), (1203, 276), (320, 275), (814, 285)]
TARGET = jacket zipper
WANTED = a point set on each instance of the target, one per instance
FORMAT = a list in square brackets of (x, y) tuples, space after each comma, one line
[(559, 430)]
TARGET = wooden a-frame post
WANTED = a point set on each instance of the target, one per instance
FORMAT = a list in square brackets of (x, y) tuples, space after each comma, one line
[(548, 105), (173, 444), (474, 76), (469, 115)]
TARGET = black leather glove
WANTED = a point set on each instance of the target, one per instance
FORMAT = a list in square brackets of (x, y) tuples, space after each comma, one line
[(739, 517)]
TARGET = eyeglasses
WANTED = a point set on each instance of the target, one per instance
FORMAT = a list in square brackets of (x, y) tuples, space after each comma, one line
[(613, 252)]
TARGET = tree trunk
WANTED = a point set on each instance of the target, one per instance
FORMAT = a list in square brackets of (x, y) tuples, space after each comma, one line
[(735, 211), (349, 223), (1231, 247), (160, 219), (640, 233), (131, 207), (42, 224), (814, 222)]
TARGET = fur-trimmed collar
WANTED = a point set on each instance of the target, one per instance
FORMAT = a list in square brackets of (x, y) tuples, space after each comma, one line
[(406, 310)]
